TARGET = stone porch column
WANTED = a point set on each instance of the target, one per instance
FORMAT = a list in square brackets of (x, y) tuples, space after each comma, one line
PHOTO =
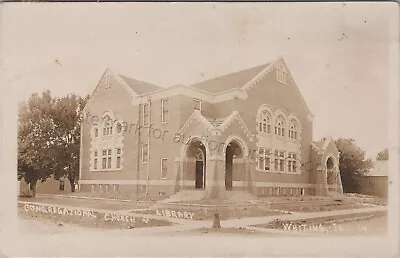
[(179, 172), (250, 176), (215, 173), (321, 183), (339, 182)]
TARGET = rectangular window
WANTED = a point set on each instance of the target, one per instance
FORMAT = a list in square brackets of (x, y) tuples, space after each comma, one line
[(261, 163), (264, 159), (281, 161), (164, 168), (145, 153), (104, 163), (197, 104), (294, 162), (109, 163), (118, 151), (164, 110), (267, 165), (276, 160), (146, 114), (118, 162), (281, 75), (95, 160)]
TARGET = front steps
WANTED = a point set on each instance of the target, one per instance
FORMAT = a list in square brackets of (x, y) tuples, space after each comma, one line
[(240, 196), (335, 195), (185, 196)]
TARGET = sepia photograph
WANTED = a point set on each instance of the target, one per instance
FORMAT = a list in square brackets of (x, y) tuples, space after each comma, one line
[(199, 129)]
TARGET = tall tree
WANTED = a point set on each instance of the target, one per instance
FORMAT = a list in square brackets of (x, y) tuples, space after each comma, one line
[(383, 155), (36, 138), (352, 164), (66, 117)]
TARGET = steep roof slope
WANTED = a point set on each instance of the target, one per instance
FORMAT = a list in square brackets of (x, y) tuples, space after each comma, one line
[(230, 81), (139, 87), (381, 168)]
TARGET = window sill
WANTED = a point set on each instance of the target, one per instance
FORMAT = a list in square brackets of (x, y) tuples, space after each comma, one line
[(107, 170), (277, 172), (261, 133), (280, 137)]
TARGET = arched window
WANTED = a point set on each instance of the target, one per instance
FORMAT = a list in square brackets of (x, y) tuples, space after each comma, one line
[(96, 132), (107, 129), (265, 122), (293, 129), (119, 128), (280, 126)]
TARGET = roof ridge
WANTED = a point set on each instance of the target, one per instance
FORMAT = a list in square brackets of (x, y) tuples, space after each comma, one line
[(131, 78), (228, 74), (229, 81), (138, 86)]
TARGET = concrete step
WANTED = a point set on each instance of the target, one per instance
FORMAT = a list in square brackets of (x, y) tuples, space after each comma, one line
[(240, 196), (185, 195)]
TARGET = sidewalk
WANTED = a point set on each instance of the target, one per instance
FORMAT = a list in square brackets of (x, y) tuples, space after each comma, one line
[(295, 216), (185, 225)]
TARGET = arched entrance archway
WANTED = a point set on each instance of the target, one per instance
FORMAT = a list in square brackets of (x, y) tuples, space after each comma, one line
[(197, 152), (330, 171), (233, 150)]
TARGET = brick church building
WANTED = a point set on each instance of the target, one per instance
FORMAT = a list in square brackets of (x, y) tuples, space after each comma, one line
[(246, 131)]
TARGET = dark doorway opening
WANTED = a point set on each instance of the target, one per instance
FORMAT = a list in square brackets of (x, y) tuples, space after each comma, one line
[(233, 150), (228, 168), (197, 152), (200, 169), (331, 176)]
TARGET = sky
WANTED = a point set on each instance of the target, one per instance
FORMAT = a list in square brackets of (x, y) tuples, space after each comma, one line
[(337, 53)]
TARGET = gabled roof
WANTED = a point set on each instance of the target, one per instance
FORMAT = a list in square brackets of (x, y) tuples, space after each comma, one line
[(139, 87), (322, 144), (218, 124), (230, 81), (319, 144), (381, 168)]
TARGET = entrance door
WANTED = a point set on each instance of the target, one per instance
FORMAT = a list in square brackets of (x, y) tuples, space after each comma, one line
[(228, 167), (199, 174), (200, 171)]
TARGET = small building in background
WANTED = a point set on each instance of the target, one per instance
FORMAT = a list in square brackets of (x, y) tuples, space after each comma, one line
[(50, 186), (376, 181)]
